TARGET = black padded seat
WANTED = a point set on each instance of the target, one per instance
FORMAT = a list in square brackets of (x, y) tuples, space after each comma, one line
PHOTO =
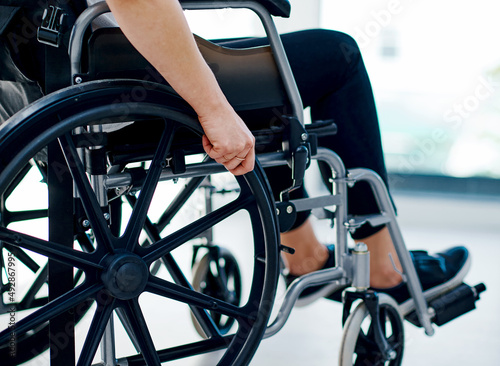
[(279, 8)]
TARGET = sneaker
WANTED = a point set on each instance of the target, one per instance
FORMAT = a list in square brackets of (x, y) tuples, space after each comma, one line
[(434, 271)]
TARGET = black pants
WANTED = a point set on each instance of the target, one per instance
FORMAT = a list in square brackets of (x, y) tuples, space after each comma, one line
[(16, 90), (21, 63), (333, 82)]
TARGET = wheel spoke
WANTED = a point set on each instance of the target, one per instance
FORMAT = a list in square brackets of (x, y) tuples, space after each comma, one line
[(131, 236), (49, 249), (179, 201), (16, 216), (364, 346), (23, 257), (178, 276), (141, 332), (99, 322), (187, 350), (87, 195), (69, 300), (191, 231), (19, 177), (128, 328), (171, 290), (39, 281), (204, 319)]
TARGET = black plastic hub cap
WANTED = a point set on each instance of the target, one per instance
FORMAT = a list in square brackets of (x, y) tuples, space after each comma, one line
[(125, 276)]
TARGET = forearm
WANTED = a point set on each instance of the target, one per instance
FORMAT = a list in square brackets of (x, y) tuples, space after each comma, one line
[(159, 31)]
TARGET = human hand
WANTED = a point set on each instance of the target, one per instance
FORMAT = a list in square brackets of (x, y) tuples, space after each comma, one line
[(228, 140)]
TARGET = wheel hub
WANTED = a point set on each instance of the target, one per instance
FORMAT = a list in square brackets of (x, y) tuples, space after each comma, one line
[(126, 276)]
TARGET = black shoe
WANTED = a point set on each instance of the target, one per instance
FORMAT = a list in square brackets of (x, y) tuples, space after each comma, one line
[(433, 271)]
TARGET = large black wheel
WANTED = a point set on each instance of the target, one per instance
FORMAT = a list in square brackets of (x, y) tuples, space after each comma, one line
[(358, 346), (147, 159)]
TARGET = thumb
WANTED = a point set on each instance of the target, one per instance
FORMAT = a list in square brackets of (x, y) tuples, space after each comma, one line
[(207, 145)]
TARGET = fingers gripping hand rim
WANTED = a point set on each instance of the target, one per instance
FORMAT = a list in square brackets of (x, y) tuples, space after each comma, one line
[(241, 163)]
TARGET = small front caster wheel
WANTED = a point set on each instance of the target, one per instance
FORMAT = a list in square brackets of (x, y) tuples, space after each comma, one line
[(358, 346), (217, 274)]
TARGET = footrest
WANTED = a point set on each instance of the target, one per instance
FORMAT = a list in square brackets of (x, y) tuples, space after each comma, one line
[(452, 304)]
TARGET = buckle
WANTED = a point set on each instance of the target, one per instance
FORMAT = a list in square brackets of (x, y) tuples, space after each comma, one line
[(50, 30)]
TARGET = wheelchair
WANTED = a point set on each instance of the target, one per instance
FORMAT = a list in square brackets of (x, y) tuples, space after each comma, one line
[(130, 194)]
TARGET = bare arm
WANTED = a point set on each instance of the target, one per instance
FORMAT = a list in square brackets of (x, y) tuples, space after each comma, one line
[(159, 31)]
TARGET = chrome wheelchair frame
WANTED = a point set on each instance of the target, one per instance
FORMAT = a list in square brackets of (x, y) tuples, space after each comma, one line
[(351, 272)]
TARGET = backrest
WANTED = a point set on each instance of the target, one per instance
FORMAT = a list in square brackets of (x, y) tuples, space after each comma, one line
[(248, 77), (283, 86)]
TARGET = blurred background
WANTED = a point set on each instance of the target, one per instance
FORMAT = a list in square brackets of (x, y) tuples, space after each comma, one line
[(435, 72)]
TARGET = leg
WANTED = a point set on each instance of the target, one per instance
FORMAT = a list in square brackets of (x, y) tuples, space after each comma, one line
[(16, 90), (382, 272), (310, 255), (358, 141), (333, 81)]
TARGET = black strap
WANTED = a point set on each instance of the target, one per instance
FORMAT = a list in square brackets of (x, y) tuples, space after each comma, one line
[(57, 69), (57, 65)]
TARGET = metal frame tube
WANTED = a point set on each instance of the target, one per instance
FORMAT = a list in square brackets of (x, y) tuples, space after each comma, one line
[(108, 354), (385, 205), (295, 289), (337, 277), (339, 189), (78, 33)]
